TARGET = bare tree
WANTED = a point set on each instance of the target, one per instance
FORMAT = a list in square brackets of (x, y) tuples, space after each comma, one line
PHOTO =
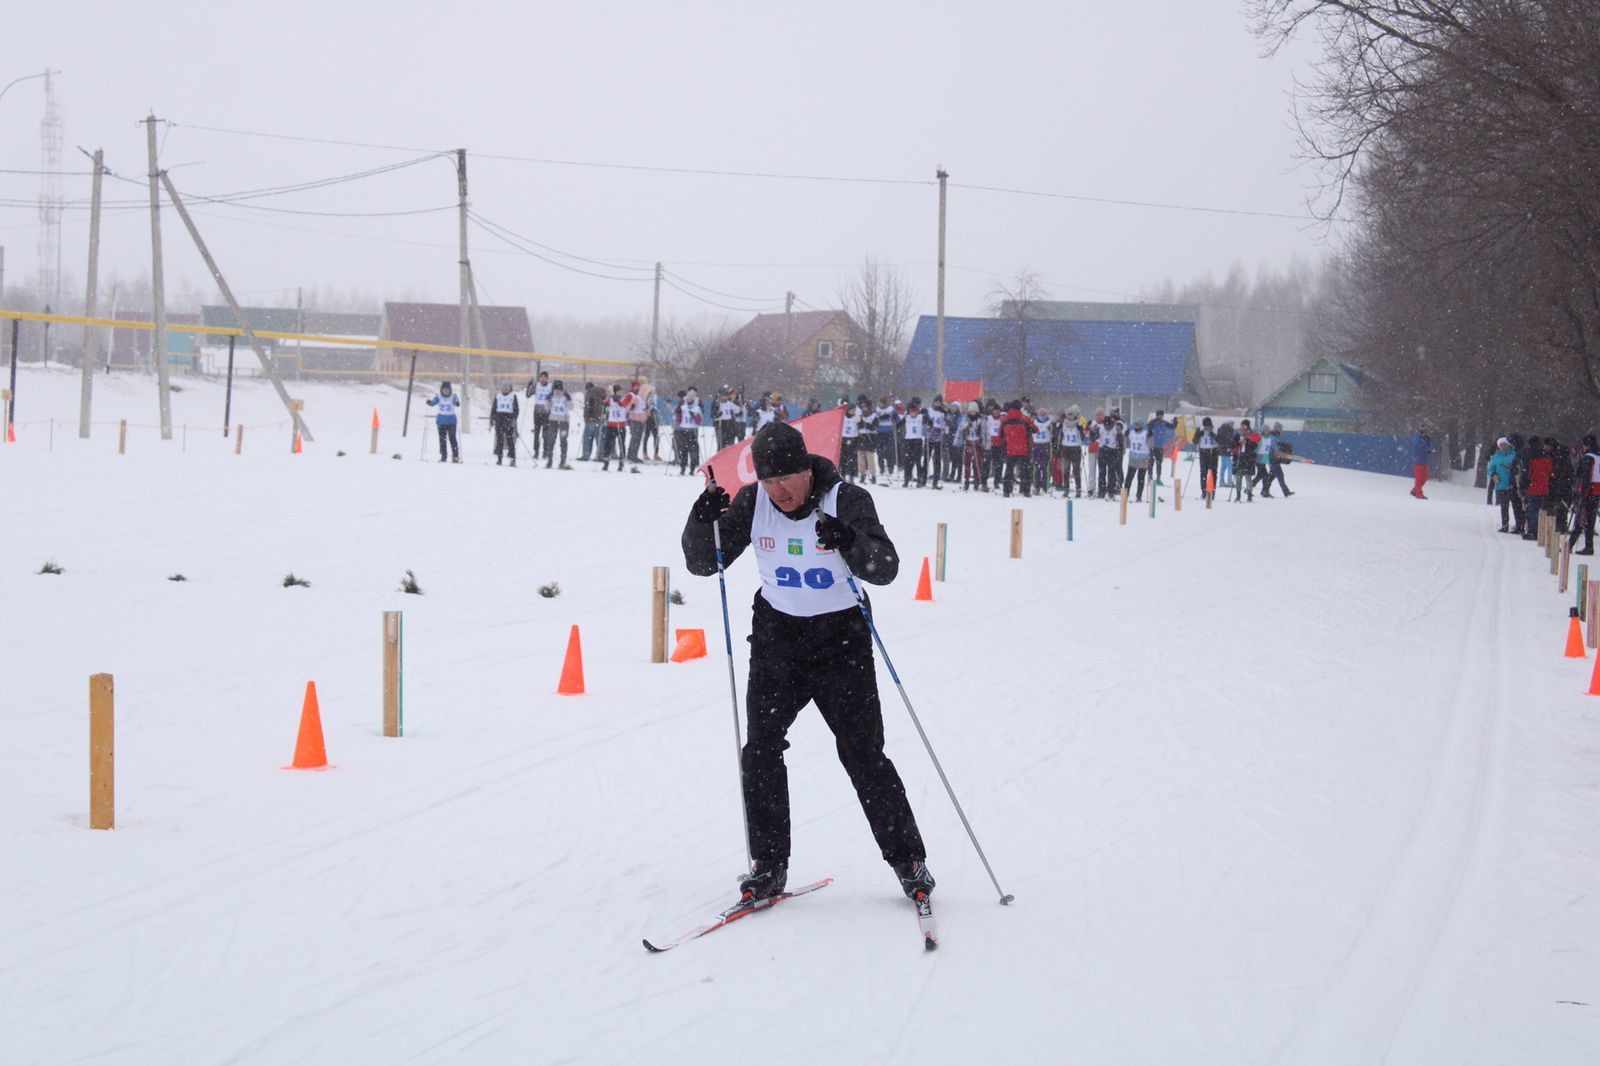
[(1465, 135), (1013, 356), (880, 304)]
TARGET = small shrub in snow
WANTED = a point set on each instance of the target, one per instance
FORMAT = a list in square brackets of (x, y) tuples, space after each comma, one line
[(177, 577), (396, 455), (676, 598), (290, 581), (409, 584), (339, 454), (550, 591), (50, 568)]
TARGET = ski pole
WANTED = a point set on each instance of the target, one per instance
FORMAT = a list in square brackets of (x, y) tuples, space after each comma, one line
[(733, 685), (861, 604)]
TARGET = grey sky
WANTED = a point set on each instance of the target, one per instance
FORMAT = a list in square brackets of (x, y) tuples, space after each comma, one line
[(1138, 100)]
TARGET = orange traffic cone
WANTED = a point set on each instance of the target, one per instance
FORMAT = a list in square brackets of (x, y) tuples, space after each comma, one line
[(1575, 648), (1594, 679), (309, 754), (297, 444), (572, 669), (691, 645), (925, 583)]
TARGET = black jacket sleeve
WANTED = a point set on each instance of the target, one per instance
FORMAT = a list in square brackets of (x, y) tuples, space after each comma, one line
[(871, 555), (699, 545)]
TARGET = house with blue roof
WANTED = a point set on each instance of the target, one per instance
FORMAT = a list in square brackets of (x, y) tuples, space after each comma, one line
[(1106, 355)]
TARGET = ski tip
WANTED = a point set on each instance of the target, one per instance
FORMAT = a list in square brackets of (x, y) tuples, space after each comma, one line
[(652, 949), (929, 944)]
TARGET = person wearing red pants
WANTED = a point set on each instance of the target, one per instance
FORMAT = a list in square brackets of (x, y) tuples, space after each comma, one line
[(1421, 453)]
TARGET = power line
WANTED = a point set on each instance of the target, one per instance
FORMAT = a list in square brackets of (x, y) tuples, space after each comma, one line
[(1136, 203), (557, 251), (496, 232), (764, 300), (726, 307)]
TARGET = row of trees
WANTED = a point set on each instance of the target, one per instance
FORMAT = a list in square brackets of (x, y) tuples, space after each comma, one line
[(1463, 137)]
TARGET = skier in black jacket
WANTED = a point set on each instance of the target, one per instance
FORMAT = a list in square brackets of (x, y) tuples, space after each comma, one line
[(808, 642)]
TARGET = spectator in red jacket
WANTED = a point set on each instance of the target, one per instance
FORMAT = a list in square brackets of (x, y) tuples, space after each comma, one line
[(1016, 432), (1540, 467)]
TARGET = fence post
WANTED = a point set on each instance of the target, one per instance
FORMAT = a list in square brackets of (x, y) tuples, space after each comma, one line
[(238, 440), (938, 551), (1124, 506), (122, 437), (1177, 494), (659, 591), (102, 752), (393, 674), (5, 415), (1016, 533)]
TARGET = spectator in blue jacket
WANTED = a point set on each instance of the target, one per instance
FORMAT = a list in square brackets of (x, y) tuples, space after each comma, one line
[(1421, 456), (1502, 479), (1162, 431), (448, 404)]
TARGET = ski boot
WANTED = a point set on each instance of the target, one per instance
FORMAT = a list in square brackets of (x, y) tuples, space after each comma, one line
[(914, 878), (765, 880)]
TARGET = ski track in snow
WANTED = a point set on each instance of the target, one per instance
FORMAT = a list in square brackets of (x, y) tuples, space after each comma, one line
[(1295, 781)]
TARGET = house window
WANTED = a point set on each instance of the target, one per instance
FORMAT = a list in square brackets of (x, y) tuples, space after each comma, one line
[(852, 352), (1322, 383), (824, 349)]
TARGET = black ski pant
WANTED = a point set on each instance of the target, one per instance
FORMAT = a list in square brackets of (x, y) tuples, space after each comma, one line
[(936, 460), (1072, 469), (913, 460), (635, 438), (1277, 475), (1534, 504), (1136, 480), (553, 431), (613, 442), (1584, 523), (541, 419), (1208, 465), (1021, 468), (447, 436), (686, 446), (826, 659), (505, 438)]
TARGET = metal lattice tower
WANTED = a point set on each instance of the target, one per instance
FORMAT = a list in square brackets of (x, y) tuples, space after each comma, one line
[(51, 203)]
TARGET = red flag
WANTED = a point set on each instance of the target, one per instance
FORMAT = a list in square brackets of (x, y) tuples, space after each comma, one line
[(733, 467), (1177, 444)]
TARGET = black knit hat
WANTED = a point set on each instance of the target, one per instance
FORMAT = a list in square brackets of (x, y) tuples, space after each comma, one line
[(779, 449)]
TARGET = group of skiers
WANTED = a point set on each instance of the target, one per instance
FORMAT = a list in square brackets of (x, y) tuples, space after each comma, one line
[(1026, 447), (1537, 475)]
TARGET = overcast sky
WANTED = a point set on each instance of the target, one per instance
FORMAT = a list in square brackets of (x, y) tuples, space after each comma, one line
[(1165, 101)]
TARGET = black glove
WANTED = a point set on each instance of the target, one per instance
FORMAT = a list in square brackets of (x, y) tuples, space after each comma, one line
[(710, 505), (833, 535)]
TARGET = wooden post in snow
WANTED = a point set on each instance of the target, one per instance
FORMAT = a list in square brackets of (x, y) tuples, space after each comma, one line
[(102, 753), (1016, 533), (1124, 520), (659, 592), (393, 672), (238, 440), (1594, 613), (122, 437), (1177, 494), (938, 552)]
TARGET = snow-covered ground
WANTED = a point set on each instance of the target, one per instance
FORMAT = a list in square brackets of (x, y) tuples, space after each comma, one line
[(1299, 781)]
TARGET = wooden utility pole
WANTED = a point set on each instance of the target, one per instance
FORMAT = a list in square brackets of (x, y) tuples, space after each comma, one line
[(267, 362), (464, 331), (938, 329), (158, 289), (86, 388), (655, 318), (483, 342)]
